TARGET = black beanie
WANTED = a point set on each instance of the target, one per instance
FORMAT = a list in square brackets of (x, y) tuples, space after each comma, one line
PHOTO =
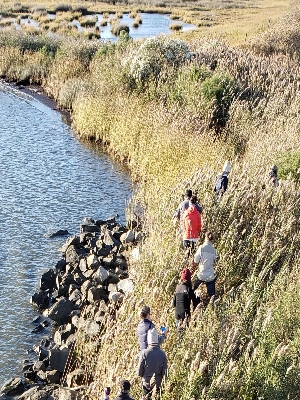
[(125, 386)]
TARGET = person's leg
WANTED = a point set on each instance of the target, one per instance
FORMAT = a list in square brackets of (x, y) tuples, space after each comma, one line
[(196, 284), (146, 389), (211, 288)]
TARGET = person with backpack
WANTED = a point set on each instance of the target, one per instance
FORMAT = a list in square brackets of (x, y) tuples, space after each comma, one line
[(206, 256), (183, 206), (182, 299), (221, 182), (191, 225), (144, 326)]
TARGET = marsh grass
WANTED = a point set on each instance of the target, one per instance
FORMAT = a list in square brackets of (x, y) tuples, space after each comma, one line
[(175, 27)]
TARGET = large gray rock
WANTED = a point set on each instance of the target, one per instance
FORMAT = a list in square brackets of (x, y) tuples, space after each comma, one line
[(127, 237), (83, 265), (75, 295), (138, 237), (120, 262), (110, 240), (52, 376), (100, 275), (92, 328), (108, 261), (88, 226), (34, 393), (96, 293), (60, 232), (71, 241), (39, 366), (61, 310), (12, 387), (126, 286), (92, 261), (116, 297), (85, 287), (72, 256), (40, 300), (58, 358), (47, 281)]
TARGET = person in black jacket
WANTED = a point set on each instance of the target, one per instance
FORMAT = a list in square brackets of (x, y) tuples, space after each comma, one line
[(144, 326), (124, 391), (183, 297)]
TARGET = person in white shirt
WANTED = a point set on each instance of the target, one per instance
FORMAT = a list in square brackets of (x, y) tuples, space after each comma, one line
[(206, 256)]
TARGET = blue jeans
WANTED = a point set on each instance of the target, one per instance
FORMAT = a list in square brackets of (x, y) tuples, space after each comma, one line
[(210, 286)]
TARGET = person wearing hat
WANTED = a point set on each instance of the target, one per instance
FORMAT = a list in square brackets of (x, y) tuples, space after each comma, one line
[(183, 296), (222, 180), (144, 326), (183, 206), (152, 363), (124, 391)]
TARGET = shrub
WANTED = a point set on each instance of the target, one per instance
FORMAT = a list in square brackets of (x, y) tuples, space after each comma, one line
[(116, 29), (62, 8), (289, 166), (153, 54), (175, 27), (82, 10), (219, 90), (85, 22)]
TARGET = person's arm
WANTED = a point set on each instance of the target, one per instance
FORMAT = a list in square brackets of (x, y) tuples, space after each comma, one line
[(141, 365), (174, 300), (224, 183)]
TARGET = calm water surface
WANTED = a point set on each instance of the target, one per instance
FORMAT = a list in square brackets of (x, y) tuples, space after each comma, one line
[(49, 181)]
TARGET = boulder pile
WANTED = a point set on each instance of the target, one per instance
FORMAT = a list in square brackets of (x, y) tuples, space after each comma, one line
[(85, 287)]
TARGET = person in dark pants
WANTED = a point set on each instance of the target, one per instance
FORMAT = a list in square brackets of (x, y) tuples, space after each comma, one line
[(206, 256), (144, 326), (221, 182), (183, 297), (124, 391), (152, 363), (191, 226)]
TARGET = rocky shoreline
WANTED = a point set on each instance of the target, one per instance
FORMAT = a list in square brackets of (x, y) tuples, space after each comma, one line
[(85, 287)]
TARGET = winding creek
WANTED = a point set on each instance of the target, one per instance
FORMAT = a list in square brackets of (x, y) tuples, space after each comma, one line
[(49, 181)]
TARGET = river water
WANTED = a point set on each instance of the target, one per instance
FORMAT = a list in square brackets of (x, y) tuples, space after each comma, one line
[(49, 181)]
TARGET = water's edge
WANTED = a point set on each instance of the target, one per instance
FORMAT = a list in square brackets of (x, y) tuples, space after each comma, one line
[(45, 104)]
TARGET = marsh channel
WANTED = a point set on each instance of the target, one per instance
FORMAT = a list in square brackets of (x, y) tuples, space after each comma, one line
[(49, 181)]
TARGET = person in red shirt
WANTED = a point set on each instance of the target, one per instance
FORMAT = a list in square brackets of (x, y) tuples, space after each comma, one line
[(192, 225)]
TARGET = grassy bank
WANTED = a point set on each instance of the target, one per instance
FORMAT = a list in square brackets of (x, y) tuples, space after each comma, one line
[(173, 111)]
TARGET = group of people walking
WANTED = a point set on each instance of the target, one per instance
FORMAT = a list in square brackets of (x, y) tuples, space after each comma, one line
[(152, 364)]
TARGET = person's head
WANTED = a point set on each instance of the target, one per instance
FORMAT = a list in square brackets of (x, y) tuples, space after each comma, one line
[(152, 337), (125, 387), (186, 275), (274, 169), (188, 193), (145, 312), (209, 236), (226, 168), (193, 199)]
